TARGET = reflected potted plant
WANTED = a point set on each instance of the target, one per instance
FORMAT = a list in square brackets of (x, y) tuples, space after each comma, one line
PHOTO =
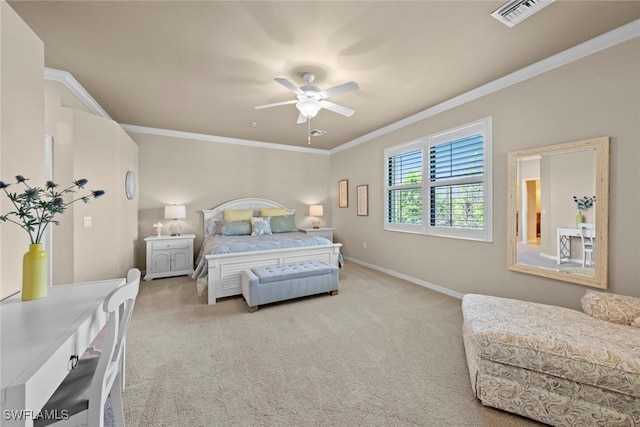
[(583, 203), (34, 208)]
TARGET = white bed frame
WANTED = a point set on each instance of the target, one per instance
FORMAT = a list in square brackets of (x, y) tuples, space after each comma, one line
[(225, 270)]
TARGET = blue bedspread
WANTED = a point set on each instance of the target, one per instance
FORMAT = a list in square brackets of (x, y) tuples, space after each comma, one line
[(232, 244)]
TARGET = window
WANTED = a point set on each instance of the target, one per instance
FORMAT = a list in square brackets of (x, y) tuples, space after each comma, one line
[(404, 186), (441, 184)]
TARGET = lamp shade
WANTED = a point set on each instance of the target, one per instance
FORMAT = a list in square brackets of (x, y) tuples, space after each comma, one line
[(308, 107), (175, 212), (315, 210)]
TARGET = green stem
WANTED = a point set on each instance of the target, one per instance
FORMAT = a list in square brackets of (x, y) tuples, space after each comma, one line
[(73, 201), (23, 227), (12, 202), (41, 234)]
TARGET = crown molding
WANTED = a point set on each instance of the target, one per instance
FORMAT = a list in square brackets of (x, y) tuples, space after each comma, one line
[(596, 44), (76, 88), (220, 139)]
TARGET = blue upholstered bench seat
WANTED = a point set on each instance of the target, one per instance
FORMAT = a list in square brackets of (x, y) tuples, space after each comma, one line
[(272, 283), (296, 270)]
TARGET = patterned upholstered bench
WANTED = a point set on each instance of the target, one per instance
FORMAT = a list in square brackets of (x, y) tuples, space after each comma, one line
[(264, 285), (553, 364)]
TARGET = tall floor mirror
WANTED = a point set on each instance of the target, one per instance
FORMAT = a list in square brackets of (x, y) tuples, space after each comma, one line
[(558, 201)]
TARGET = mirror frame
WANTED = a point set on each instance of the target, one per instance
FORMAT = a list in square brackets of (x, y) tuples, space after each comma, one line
[(601, 146)]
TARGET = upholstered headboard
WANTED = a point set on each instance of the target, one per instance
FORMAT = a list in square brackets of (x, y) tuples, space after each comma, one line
[(211, 215)]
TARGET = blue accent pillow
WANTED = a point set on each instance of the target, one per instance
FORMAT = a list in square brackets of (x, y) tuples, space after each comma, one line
[(283, 224), (233, 228), (260, 226)]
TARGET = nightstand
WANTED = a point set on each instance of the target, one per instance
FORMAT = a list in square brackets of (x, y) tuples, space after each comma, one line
[(169, 256), (319, 232)]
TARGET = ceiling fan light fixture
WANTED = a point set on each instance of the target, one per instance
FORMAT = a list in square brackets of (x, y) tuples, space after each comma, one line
[(308, 107)]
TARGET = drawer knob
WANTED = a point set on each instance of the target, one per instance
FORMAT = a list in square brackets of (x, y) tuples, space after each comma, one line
[(73, 361)]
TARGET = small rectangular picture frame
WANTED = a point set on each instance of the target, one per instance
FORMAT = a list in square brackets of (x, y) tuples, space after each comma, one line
[(343, 193), (362, 191)]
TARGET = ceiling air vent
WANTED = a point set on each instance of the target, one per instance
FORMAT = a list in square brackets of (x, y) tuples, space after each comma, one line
[(516, 11), (317, 132)]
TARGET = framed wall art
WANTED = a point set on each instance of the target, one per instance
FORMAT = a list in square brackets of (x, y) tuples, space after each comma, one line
[(343, 193), (362, 191)]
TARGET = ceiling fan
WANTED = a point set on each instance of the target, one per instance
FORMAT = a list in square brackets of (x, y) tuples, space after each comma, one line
[(311, 99)]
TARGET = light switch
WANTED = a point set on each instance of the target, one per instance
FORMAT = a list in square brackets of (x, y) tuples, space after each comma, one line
[(87, 221)]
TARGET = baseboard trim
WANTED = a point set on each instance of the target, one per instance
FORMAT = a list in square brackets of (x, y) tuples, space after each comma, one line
[(410, 279)]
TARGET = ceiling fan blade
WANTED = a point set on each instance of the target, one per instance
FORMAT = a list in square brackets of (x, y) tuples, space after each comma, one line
[(275, 104), (348, 112), (345, 87), (301, 119), (286, 83)]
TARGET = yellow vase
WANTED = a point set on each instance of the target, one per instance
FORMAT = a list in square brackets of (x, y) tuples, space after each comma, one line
[(579, 220), (34, 273)]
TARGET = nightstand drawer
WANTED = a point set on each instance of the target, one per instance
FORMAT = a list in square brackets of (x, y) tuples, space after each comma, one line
[(170, 244)]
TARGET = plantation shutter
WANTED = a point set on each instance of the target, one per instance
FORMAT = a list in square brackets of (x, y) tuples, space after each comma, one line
[(404, 187), (456, 170)]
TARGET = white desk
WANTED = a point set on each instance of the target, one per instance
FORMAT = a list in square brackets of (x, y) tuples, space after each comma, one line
[(39, 338), (563, 249)]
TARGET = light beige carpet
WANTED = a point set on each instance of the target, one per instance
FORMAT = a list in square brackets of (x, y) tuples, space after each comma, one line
[(383, 352)]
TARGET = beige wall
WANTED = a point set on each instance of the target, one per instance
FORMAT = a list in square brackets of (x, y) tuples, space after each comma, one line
[(21, 130), (203, 174), (596, 96), (95, 148)]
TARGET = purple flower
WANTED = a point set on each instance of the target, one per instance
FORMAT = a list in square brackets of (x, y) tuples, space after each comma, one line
[(81, 183), (35, 207), (32, 193)]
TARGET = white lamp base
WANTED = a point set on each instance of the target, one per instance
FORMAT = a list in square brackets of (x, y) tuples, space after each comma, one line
[(316, 222), (175, 228)]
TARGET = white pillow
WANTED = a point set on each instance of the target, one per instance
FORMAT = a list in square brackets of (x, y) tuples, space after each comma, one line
[(260, 226)]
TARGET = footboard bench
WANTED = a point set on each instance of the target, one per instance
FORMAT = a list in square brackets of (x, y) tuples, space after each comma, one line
[(273, 283)]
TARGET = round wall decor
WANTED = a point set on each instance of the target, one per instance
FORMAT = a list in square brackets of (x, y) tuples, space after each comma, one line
[(130, 185)]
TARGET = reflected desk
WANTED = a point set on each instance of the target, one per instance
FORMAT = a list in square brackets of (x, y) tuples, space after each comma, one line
[(563, 249), (41, 341)]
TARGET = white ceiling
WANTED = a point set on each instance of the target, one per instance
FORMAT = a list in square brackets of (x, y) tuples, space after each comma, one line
[(202, 66)]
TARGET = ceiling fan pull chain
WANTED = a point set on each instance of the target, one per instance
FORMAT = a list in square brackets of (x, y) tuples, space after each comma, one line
[(309, 131)]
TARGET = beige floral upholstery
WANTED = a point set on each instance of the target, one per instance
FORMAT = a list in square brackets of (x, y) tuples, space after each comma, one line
[(552, 364), (612, 307)]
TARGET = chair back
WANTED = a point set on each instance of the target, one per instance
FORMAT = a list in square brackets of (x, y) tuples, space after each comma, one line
[(119, 307), (587, 234)]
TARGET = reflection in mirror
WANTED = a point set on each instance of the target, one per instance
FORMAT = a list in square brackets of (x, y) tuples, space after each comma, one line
[(557, 219)]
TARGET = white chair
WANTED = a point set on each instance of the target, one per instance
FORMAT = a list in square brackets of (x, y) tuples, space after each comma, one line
[(587, 236), (84, 391)]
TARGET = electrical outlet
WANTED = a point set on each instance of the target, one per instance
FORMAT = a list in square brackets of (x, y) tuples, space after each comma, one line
[(87, 221), (364, 244)]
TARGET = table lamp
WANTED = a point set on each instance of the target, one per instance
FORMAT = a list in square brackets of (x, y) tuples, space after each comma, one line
[(315, 211), (174, 213)]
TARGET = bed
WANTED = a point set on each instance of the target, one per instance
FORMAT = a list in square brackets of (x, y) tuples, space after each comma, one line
[(222, 259)]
